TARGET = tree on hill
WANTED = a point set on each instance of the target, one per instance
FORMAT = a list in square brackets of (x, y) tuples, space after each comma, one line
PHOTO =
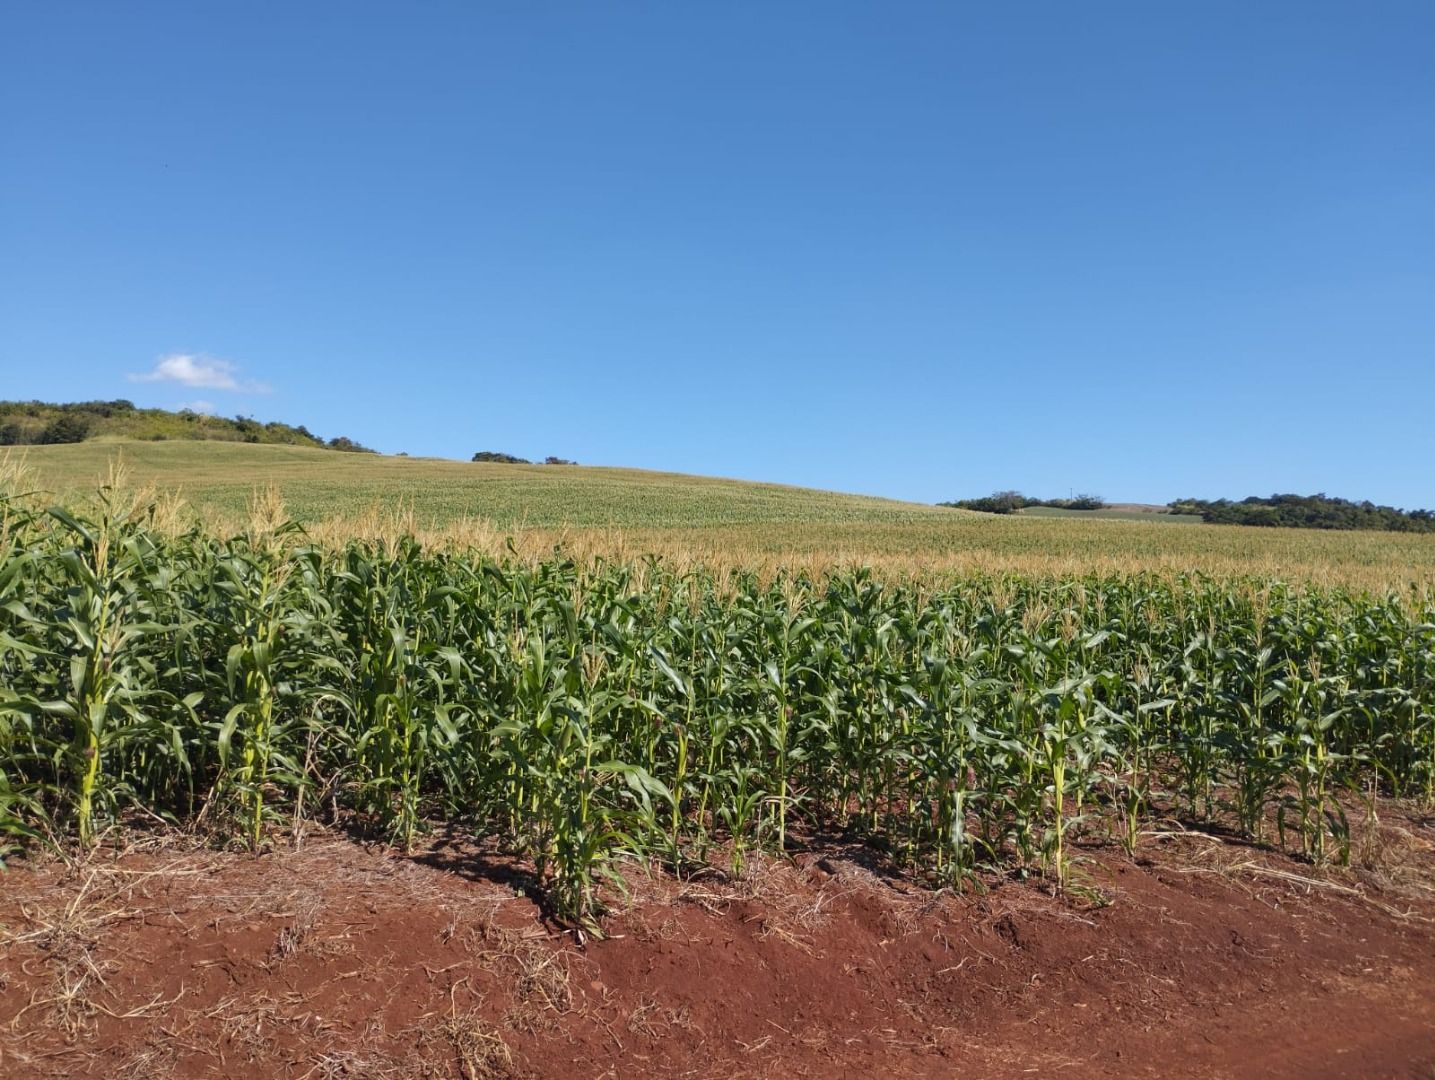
[(1009, 502), (501, 459), (66, 428), (30, 423), (349, 446), (508, 459)]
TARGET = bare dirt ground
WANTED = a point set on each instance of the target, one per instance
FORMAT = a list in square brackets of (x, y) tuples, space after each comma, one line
[(1200, 958)]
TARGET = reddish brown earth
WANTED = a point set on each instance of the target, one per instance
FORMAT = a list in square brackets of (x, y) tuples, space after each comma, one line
[(1201, 958)]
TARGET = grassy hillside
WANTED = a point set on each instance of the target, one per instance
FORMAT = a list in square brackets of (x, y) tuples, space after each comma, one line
[(627, 512), (220, 478)]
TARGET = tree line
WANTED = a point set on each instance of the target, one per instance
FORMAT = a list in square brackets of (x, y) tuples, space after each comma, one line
[(1319, 511), (494, 457), (1009, 502)]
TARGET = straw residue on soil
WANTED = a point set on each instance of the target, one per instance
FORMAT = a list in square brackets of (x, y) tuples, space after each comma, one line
[(337, 960)]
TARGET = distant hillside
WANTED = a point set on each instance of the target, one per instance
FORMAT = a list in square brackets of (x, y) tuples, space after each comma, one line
[(1283, 511), (221, 478), (40, 423)]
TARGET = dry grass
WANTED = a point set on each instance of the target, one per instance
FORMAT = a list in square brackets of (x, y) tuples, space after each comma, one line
[(479, 1050), (154, 1060), (1391, 867), (67, 935), (651, 1020), (363, 1064), (785, 906), (301, 936), (1395, 857), (541, 975)]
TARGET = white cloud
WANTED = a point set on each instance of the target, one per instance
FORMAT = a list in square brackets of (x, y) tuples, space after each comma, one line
[(203, 372), (205, 407)]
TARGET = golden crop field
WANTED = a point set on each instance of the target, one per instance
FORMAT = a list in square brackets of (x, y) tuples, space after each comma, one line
[(629, 513)]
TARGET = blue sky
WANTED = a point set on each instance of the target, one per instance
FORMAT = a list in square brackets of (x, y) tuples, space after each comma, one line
[(919, 250)]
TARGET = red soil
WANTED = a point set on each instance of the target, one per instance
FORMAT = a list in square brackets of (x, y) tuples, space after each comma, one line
[(335, 960)]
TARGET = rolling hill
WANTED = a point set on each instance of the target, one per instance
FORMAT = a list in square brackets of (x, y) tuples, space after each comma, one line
[(222, 477), (594, 511)]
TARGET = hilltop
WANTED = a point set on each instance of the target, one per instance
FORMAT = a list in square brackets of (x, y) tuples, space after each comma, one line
[(42, 423), (317, 484)]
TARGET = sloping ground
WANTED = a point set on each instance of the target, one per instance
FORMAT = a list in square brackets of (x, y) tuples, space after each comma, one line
[(1200, 959), (319, 484), (628, 513)]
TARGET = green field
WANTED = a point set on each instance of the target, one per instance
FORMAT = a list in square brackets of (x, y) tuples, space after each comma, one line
[(1159, 517), (588, 714), (629, 513), (490, 645), (221, 478)]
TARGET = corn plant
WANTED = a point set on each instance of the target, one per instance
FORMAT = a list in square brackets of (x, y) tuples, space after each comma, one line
[(584, 712)]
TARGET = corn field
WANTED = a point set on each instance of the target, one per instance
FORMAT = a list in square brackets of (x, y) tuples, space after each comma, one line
[(584, 714)]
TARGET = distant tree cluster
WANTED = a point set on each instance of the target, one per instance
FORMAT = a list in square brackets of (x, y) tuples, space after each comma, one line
[(1307, 512), (348, 445), (509, 459), (68, 428), (501, 459), (25, 423), (1009, 502), (252, 431)]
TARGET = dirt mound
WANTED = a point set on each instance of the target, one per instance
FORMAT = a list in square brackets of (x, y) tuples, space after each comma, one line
[(334, 960)]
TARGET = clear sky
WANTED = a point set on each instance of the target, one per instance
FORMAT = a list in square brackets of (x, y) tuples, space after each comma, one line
[(1141, 249)]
